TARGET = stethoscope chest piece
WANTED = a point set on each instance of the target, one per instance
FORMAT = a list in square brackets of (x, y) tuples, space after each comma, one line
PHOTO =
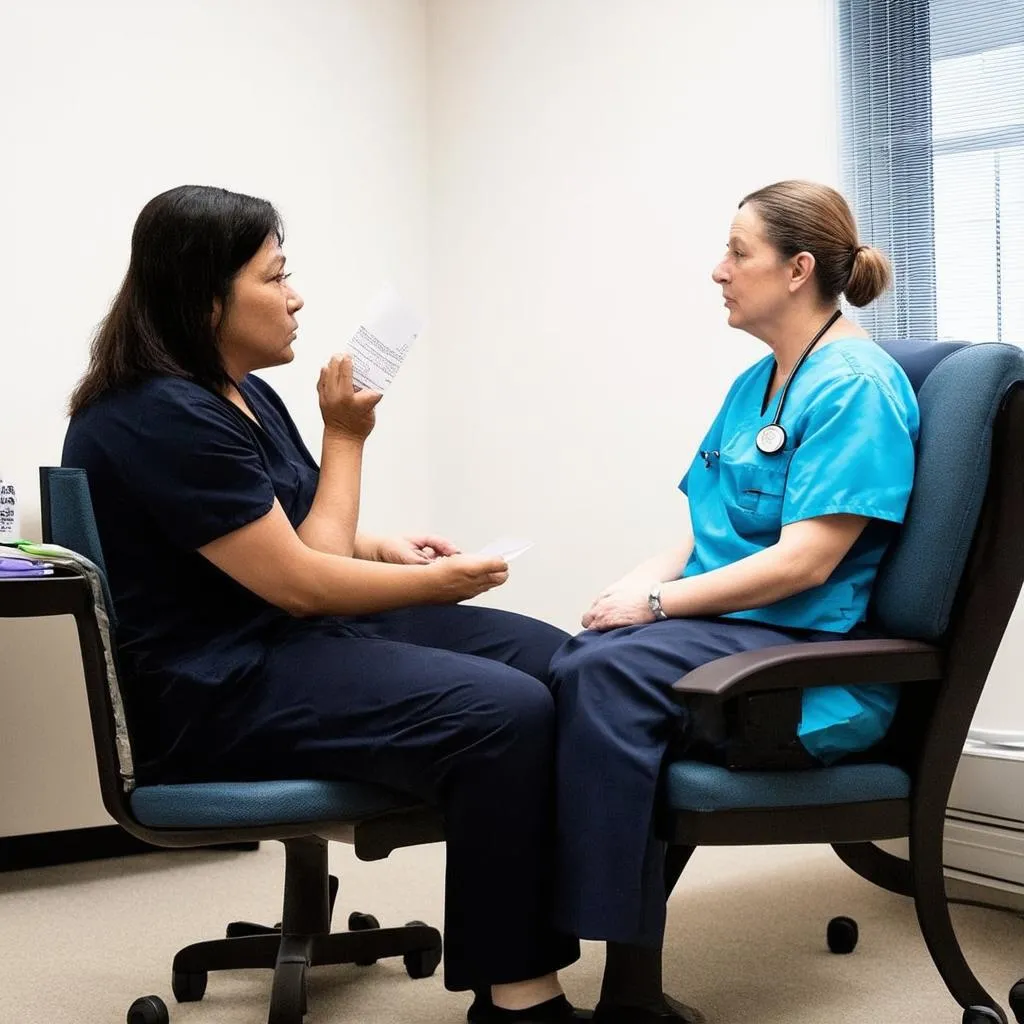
[(771, 439)]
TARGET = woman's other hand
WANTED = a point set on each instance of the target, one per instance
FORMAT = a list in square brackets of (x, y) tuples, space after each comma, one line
[(621, 604), (415, 550), (461, 577), (346, 411)]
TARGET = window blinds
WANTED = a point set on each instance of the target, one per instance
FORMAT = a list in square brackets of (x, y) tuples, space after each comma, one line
[(932, 133)]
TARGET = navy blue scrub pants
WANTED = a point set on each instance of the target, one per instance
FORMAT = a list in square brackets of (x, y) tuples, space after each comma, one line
[(616, 719), (450, 704)]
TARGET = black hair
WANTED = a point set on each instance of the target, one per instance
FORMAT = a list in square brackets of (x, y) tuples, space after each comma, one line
[(188, 245)]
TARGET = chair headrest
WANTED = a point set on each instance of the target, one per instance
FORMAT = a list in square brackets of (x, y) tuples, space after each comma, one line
[(919, 358)]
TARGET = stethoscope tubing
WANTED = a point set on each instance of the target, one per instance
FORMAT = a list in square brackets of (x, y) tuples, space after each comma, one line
[(772, 438)]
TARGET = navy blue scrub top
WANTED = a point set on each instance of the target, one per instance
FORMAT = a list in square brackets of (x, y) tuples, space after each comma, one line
[(172, 467)]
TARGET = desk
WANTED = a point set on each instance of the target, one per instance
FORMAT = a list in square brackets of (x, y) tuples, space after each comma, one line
[(50, 806), (48, 779)]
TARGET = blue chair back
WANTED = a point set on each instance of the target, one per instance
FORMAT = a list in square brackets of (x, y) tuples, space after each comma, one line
[(960, 389), (68, 519)]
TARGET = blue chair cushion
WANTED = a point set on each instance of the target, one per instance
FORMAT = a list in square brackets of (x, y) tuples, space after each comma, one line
[(251, 804), (697, 786)]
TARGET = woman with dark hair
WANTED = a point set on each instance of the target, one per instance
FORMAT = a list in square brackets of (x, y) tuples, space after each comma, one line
[(794, 495), (262, 636)]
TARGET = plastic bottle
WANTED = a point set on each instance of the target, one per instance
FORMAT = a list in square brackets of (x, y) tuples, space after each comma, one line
[(10, 523)]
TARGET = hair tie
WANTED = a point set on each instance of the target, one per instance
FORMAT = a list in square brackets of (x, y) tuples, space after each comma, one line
[(859, 249)]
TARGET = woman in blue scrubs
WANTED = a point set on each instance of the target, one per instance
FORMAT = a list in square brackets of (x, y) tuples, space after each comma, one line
[(796, 491), (262, 636)]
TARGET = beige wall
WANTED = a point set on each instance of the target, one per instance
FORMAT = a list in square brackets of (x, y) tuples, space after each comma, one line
[(586, 158), (318, 105), (549, 180)]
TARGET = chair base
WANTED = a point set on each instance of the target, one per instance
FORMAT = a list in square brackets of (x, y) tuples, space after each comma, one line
[(303, 940)]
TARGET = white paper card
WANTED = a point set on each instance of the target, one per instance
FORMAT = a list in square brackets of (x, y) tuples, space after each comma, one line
[(506, 547), (383, 340)]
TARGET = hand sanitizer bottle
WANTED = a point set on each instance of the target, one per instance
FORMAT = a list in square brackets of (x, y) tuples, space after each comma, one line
[(10, 524)]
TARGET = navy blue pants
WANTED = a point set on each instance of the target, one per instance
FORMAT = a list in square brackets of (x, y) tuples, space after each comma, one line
[(450, 704), (616, 719)]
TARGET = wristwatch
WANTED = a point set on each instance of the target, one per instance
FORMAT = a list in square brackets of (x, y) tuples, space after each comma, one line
[(654, 602)]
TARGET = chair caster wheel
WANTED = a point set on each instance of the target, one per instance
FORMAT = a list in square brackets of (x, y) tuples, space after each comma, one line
[(187, 986), (362, 923), (842, 935), (148, 1010), (981, 1015), (423, 962), (1017, 1001)]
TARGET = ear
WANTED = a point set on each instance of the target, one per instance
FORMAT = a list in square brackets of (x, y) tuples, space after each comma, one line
[(218, 311), (801, 270)]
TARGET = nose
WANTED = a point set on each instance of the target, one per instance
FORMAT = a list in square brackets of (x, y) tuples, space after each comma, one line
[(719, 275), (295, 301)]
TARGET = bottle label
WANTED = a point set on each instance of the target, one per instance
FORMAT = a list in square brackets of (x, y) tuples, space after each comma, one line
[(9, 525)]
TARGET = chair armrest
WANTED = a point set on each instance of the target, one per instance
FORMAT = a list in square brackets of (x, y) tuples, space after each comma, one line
[(801, 666)]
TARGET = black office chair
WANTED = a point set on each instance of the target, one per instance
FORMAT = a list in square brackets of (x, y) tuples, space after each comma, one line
[(302, 814), (946, 592)]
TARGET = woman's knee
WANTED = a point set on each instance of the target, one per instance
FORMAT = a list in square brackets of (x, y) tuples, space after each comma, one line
[(582, 656), (506, 707), (542, 641), (596, 672)]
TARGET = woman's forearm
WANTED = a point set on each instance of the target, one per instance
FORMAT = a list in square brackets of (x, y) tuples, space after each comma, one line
[(366, 547), (755, 581), (664, 566), (330, 526), (355, 587), (267, 557)]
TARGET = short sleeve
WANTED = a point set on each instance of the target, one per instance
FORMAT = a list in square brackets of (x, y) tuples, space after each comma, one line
[(855, 453), (193, 463)]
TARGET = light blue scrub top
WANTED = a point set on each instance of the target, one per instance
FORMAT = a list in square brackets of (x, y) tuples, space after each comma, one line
[(852, 421)]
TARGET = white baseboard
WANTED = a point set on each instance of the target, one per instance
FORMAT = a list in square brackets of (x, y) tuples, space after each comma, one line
[(984, 837)]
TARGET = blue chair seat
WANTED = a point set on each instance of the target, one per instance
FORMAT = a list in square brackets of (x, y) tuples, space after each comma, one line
[(697, 786), (251, 804)]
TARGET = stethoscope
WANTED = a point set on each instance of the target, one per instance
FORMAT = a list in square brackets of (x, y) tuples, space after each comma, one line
[(772, 438)]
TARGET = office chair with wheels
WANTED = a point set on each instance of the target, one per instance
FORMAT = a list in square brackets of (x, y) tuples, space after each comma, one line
[(302, 814), (945, 595)]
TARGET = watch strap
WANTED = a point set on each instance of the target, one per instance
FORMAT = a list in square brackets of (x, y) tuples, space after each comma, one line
[(654, 602)]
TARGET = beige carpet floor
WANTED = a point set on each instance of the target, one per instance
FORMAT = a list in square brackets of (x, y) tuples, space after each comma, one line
[(746, 941)]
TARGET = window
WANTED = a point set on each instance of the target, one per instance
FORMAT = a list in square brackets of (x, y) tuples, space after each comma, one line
[(933, 158)]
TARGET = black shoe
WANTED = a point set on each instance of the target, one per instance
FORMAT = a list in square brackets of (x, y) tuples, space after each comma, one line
[(555, 1011), (670, 1010)]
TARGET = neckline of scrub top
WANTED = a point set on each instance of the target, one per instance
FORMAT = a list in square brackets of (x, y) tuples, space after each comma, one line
[(767, 403), (253, 418)]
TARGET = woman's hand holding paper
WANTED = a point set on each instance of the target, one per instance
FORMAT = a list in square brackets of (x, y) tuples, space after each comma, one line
[(420, 549), (346, 412)]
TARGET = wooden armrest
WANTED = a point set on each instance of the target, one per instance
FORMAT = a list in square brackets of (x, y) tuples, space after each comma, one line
[(801, 666)]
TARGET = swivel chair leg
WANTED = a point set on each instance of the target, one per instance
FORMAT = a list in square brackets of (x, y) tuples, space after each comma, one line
[(239, 929), (288, 996), (932, 908)]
